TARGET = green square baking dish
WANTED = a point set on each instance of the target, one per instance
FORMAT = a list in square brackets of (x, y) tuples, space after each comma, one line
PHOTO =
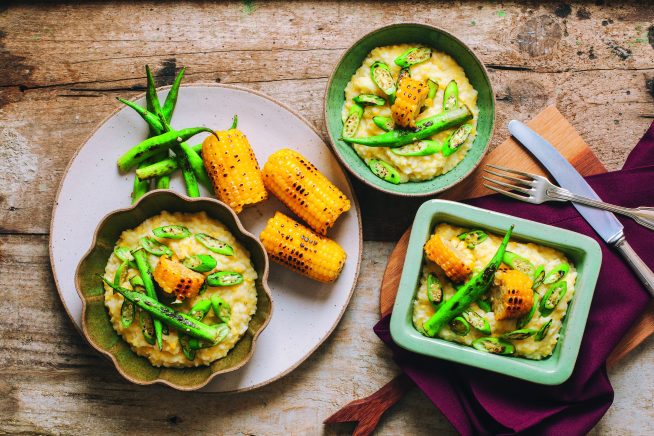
[(581, 249)]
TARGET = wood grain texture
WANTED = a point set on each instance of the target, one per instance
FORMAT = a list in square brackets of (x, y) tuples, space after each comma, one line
[(62, 66)]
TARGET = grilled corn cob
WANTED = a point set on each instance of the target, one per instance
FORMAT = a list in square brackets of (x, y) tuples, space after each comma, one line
[(444, 256), (512, 294), (233, 169), (305, 190), (410, 98), (289, 243), (175, 278)]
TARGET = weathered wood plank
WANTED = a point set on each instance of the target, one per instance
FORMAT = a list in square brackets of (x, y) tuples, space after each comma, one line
[(603, 93), (52, 382)]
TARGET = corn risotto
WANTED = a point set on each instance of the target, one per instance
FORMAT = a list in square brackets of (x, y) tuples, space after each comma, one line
[(478, 257), (241, 297), (440, 67)]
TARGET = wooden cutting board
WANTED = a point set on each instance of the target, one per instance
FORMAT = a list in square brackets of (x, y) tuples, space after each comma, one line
[(553, 126)]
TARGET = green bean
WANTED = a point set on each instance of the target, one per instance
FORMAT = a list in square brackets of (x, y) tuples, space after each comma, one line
[(174, 231), (542, 332), (556, 274), (162, 313), (127, 313), (157, 169), (539, 276), (224, 278), (478, 322), (553, 297), (221, 309), (451, 96), (154, 107), (413, 56), (369, 100), (163, 182), (190, 180), (425, 128), (139, 188), (171, 98), (425, 147), (144, 268), (382, 77), (433, 88), (197, 165), (215, 245), (155, 247), (384, 171), (519, 263), (123, 254), (493, 345), (384, 123), (146, 322), (473, 238), (484, 305), (153, 120), (471, 291), (524, 320), (434, 289), (156, 144), (458, 137), (200, 262), (119, 276), (222, 330), (200, 309), (459, 326), (351, 124), (519, 334)]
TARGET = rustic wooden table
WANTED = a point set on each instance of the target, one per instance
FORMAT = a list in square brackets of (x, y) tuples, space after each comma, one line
[(61, 66)]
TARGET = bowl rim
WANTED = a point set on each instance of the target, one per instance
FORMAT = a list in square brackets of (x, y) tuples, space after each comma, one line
[(407, 337), (264, 284), (332, 141)]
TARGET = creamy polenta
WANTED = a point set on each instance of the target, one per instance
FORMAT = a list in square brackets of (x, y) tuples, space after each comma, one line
[(242, 297), (441, 68), (478, 257)]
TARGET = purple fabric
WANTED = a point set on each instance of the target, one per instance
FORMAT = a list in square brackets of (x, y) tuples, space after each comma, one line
[(479, 402)]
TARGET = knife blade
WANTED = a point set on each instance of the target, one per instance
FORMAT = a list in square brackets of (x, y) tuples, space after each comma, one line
[(604, 223)]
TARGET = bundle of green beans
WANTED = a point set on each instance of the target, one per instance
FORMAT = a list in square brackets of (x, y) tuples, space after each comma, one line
[(152, 156)]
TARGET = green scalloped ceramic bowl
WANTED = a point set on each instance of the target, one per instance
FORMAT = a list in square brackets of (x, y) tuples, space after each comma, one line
[(584, 252), (432, 37), (96, 324)]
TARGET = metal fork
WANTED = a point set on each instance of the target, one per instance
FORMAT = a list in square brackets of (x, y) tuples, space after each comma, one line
[(537, 189)]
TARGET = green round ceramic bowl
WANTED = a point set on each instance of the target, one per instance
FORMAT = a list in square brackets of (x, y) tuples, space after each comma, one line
[(419, 34), (96, 324)]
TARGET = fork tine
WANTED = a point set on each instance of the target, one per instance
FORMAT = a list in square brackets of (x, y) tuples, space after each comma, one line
[(507, 193), (509, 170), (529, 183), (508, 185)]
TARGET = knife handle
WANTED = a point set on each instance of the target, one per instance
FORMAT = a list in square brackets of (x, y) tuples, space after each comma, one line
[(636, 263)]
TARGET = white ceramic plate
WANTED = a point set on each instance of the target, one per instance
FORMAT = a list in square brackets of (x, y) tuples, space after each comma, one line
[(305, 312)]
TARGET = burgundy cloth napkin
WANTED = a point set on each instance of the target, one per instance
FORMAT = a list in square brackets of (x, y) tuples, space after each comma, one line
[(480, 402)]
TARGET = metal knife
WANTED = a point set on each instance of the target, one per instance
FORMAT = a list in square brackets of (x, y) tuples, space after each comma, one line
[(605, 223)]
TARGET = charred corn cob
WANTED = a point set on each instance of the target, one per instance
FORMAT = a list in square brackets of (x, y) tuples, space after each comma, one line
[(233, 169), (444, 256), (512, 294), (409, 100), (298, 184), (174, 278), (289, 243)]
